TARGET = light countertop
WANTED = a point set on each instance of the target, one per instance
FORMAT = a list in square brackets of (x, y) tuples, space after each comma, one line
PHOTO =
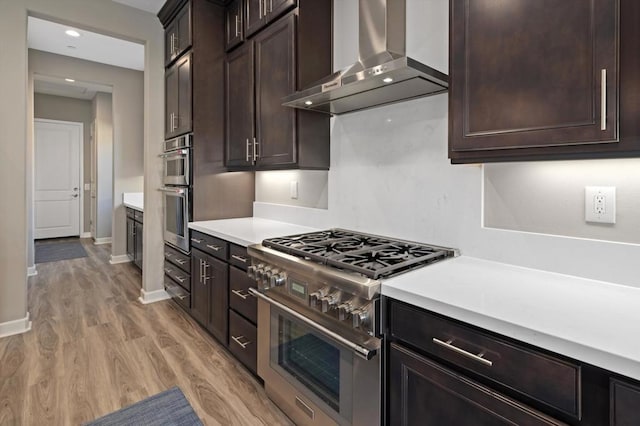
[(248, 230), (592, 321), (135, 200)]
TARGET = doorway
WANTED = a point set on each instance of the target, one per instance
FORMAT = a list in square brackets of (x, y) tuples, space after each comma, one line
[(58, 200)]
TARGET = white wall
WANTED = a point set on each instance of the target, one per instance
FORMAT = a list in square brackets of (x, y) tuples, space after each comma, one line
[(16, 130), (103, 119), (275, 187)]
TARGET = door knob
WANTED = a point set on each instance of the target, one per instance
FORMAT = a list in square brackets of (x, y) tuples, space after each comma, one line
[(75, 195), (76, 188)]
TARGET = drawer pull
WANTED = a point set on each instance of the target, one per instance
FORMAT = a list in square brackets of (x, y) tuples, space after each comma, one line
[(168, 270), (455, 349), (216, 248), (181, 279), (175, 292), (195, 240), (242, 345), (181, 261), (167, 254), (239, 258), (239, 294)]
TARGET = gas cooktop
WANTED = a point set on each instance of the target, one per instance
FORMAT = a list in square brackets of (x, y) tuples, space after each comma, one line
[(370, 255)]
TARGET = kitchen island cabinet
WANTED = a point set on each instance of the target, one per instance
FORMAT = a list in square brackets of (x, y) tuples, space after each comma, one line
[(543, 80), (209, 293), (625, 403), (290, 53)]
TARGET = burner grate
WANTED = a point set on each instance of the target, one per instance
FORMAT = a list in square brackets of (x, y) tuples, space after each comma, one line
[(369, 255)]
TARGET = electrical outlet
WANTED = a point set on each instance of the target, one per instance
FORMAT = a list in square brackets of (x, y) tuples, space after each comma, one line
[(293, 189), (600, 204)]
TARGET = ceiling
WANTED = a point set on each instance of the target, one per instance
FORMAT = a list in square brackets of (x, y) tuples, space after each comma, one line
[(51, 37)]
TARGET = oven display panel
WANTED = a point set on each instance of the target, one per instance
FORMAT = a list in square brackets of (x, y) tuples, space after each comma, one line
[(298, 289)]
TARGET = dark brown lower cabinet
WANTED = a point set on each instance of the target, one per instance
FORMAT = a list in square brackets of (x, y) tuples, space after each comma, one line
[(243, 340), (423, 392), (209, 293), (625, 404)]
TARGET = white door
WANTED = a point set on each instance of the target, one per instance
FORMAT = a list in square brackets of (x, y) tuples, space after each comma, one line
[(57, 179), (94, 168)]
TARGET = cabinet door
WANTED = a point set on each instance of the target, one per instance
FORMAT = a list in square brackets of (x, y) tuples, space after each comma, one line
[(138, 245), (422, 392), (183, 124), (217, 275), (171, 87), (625, 400), (170, 37), (184, 29), (254, 16), (200, 288), (275, 79), (239, 108), (533, 74), (131, 232), (233, 25)]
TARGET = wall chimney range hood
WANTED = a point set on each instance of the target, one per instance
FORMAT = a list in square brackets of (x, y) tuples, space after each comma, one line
[(383, 73)]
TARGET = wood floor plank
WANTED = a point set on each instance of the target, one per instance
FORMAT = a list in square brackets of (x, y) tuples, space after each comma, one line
[(95, 349)]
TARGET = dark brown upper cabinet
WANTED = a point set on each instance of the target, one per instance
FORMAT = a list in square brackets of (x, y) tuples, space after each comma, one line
[(541, 80), (259, 13), (234, 24), (178, 97), (177, 35), (292, 52)]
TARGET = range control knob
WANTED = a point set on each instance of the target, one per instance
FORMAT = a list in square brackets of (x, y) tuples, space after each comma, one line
[(360, 317), (344, 310), (277, 279), (330, 302)]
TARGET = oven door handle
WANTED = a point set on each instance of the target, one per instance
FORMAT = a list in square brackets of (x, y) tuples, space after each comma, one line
[(172, 190), (178, 153), (359, 350)]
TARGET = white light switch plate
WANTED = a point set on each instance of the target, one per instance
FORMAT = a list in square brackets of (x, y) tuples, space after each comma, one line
[(600, 204)]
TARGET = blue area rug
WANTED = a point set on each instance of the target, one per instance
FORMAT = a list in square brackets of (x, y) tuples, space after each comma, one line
[(167, 408), (52, 252)]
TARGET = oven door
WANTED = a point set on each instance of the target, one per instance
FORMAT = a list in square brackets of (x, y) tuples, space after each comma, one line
[(177, 167), (176, 204), (311, 376)]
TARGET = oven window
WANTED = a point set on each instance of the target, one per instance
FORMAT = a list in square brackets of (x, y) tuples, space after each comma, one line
[(175, 167), (311, 360), (174, 216)]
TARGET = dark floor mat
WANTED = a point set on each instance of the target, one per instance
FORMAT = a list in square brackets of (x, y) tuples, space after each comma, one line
[(51, 252)]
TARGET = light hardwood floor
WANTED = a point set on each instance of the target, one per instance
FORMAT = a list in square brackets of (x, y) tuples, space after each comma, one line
[(94, 349)]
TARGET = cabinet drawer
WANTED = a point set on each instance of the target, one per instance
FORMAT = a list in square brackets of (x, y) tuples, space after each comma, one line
[(238, 256), (243, 340), (549, 380), (210, 245), (177, 293), (625, 400), (178, 275), (183, 261), (131, 213), (239, 297), (138, 215), (423, 392)]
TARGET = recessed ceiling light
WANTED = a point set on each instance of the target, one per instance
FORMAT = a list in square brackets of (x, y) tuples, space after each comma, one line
[(70, 80), (308, 103), (72, 33), (387, 80)]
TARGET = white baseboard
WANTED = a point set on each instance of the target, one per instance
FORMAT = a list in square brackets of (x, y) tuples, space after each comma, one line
[(147, 297), (98, 241), (123, 258), (10, 328), (31, 271), (85, 235)]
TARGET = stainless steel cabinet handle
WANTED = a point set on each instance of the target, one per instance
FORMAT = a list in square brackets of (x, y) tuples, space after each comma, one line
[(256, 150), (603, 100), (248, 145), (175, 122), (167, 254), (168, 270), (181, 279), (270, 6), (448, 345), (172, 44), (205, 278), (260, 7), (237, 25), (242, 345), (181, 261), (239, 258), (195, 240), (215, 248), (239, 294)]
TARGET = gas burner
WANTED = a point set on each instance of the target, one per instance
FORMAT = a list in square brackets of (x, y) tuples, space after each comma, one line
[(370, 255)]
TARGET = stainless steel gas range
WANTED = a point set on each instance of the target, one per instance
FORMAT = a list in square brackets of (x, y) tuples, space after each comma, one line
[(319, 337)]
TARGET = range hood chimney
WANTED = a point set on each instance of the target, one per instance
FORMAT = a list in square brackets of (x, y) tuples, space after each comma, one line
[(383, 73)]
